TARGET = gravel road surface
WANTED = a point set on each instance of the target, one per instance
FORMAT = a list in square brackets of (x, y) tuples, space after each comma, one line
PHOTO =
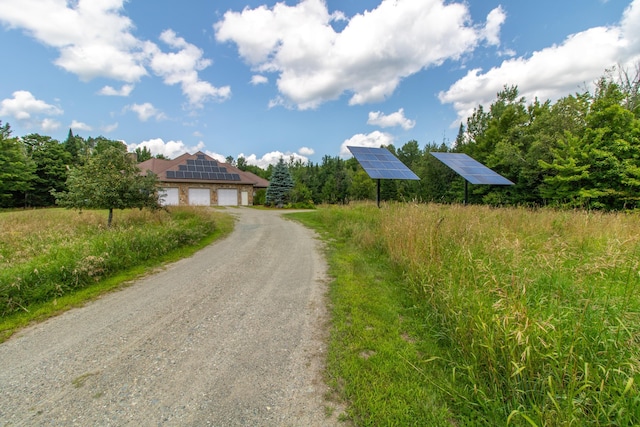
[(233, 336)]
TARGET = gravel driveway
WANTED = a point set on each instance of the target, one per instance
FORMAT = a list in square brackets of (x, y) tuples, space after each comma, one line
[(232, 336)]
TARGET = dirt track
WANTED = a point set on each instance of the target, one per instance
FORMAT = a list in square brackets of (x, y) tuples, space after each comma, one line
[(231, 336)]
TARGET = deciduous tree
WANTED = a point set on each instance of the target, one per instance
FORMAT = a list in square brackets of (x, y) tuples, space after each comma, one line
[(110, 179), (600, 168), (143, 154)]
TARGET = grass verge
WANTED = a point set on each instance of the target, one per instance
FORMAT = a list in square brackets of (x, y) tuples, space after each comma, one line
[(52, 260), (378, 336), (479, 316)]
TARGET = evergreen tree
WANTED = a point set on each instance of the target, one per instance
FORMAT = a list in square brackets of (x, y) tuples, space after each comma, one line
[(51, 162), (280, 185), (16, 170), (72, 145)]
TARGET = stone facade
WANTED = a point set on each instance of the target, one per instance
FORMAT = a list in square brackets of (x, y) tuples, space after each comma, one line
[(190, 172), (183, 191)]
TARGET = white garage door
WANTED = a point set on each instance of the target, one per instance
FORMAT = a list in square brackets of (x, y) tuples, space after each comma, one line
[(199, 197), (169, 196), (227, 197)]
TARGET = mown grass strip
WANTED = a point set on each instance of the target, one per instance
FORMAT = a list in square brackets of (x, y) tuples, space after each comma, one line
[(378, 339)]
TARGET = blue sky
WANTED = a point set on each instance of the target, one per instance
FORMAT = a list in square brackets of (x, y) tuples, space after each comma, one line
[(263, 79)]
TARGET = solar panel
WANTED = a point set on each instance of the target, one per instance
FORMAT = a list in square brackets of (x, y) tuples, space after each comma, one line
[(185, 172), (470, 169), (379, 163)]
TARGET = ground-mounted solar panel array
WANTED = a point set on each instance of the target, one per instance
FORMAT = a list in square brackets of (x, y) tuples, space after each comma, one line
[(380, 163), (470, 169), (204, 169)]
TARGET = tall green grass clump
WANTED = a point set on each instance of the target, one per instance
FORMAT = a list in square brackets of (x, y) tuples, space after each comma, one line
[(45, 254), (537, 312)]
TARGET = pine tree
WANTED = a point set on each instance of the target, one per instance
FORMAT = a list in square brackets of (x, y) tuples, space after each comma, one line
[(280, 185), (51, 162)]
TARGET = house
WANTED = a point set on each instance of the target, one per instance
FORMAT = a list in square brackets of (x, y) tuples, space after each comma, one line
[(200, 180)]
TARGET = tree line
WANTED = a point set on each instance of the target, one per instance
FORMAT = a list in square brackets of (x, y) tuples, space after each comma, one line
[(35, 169), (581, 151)]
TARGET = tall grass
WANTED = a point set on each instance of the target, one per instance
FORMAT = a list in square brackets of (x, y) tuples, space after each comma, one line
[(538, 312), (45, 254)]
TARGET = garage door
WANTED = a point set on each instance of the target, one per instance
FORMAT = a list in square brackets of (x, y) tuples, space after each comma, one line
[(199, 197), (169, 197), (227, 197)]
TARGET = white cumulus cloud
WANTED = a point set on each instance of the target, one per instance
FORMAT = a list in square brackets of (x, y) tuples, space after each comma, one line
[(258, 79), (24, 106), (50, 125), (181, 67), (76, 125), (109, 128), (374, 139), (272, 158), (95, 39), (170, 149), (317, 64), (555, 71), (219, 157), (306, 151), (378, 118), (125, 90), (495, 19), (146, 111)]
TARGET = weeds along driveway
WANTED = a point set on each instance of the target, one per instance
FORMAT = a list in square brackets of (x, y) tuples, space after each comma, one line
[(233, 335)]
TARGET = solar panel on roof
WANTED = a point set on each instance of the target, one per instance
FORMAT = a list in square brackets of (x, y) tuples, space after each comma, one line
[(202, 169), (379, 163), (470, 169)]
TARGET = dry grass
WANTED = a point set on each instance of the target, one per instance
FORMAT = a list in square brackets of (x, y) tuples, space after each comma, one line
[(538, 310), (30, 233), (45, 254)]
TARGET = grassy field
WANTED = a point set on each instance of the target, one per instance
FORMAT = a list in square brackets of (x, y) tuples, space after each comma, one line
[(454, 315), (51, 259), (441, 315)]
